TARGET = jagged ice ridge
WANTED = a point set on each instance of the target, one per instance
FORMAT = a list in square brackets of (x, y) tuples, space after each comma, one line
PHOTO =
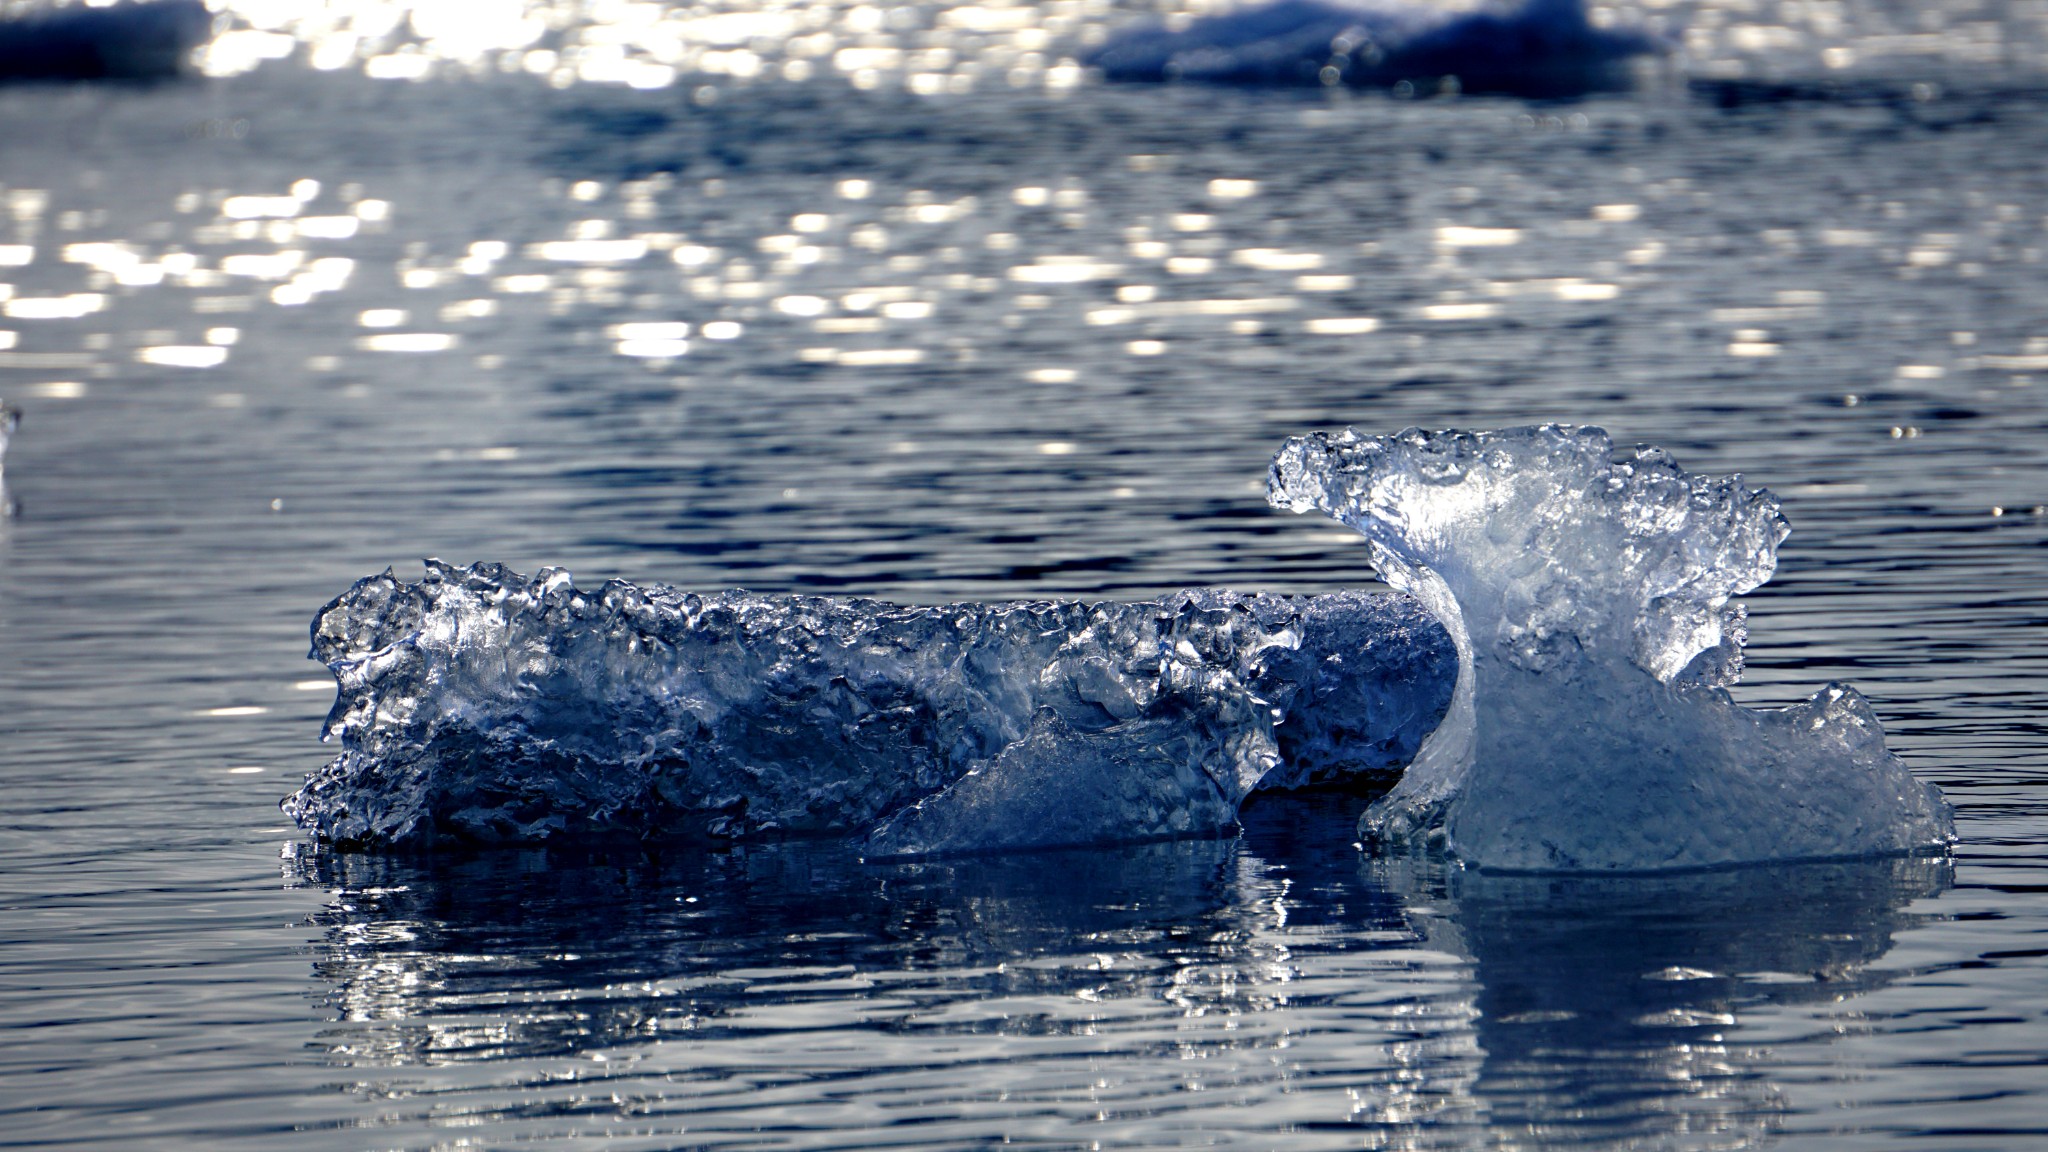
[(477, 705)]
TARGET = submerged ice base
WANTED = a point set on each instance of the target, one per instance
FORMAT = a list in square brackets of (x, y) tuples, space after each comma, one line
[(1589, 597), (480, 706)]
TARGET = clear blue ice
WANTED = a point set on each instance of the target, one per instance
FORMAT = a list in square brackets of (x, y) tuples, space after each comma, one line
[(1589, 596)]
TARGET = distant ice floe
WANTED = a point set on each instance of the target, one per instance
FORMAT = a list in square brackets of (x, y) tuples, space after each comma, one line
[(479, 706), (1589, 599), (1541, 48), (140, 40)]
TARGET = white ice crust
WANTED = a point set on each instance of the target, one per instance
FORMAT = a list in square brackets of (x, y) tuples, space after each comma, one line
[(1589, 597)]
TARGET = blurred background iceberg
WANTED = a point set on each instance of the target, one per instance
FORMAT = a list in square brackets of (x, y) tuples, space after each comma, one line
[(1535, 48), (135, 40)]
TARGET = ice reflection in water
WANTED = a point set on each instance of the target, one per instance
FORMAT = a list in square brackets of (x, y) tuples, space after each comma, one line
[(1129, 994), (1611, 1010)]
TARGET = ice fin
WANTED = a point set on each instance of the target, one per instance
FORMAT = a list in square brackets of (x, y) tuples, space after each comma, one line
[(1588, 595)]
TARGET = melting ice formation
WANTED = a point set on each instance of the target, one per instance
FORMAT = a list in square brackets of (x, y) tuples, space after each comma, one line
[(476, 705), (1589, 600), (140, 40), (1587, 631), (1539, 48)]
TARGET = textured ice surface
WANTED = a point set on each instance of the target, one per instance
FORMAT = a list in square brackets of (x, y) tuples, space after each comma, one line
[(478, 705), (1540, 48), (1588, 596)]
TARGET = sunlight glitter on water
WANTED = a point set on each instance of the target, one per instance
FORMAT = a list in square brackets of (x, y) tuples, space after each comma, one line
[(810, 280)]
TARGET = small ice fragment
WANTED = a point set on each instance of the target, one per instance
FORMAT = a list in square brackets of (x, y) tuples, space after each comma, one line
[(10, 419)]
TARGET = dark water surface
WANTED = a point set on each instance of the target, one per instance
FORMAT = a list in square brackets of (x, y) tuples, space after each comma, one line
[(1023, 334)]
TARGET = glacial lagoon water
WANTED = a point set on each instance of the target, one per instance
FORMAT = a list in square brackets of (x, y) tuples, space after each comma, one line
[(942, 319)]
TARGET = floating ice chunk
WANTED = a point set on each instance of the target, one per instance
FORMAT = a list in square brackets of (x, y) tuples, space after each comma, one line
[(141, 40), (1589, 600), (1539, 48), (477, 705)]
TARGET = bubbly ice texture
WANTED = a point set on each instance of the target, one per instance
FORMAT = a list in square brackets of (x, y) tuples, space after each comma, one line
[(478, 705), (1589, 598), (1537, 48)]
